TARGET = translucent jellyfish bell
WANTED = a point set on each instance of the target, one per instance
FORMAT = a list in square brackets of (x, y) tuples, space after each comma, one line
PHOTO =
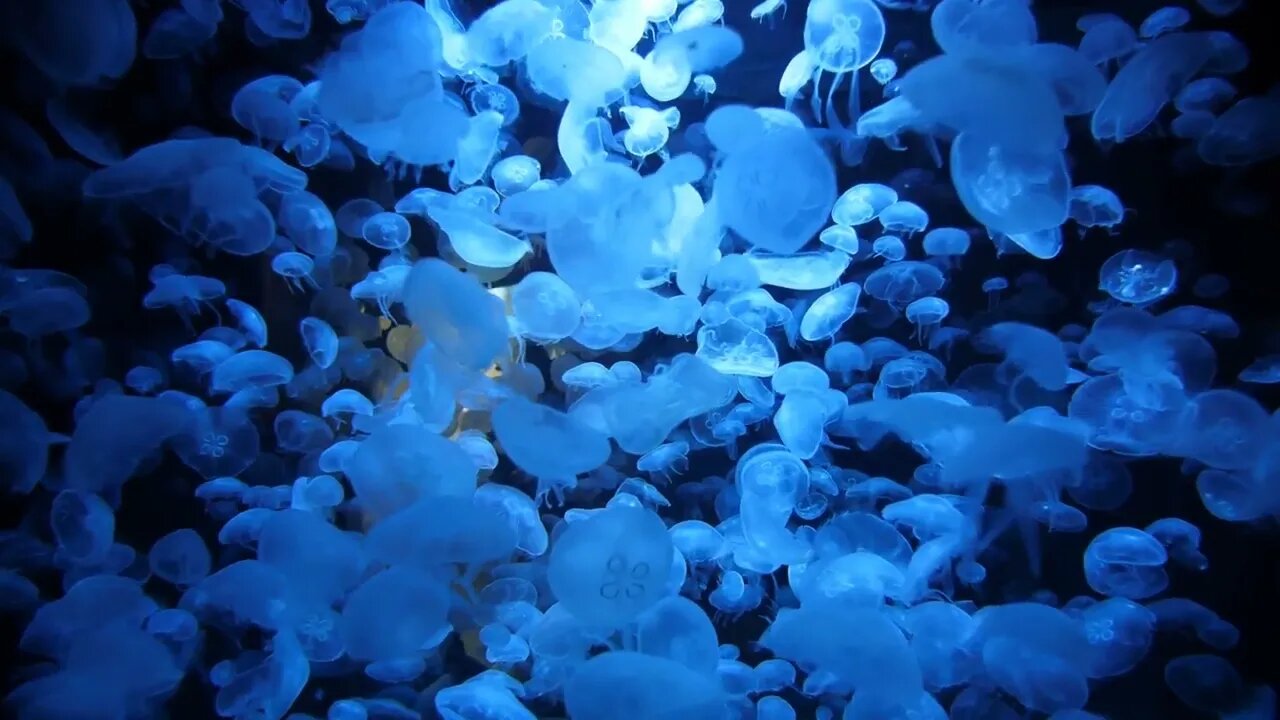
[(862, 203), (386, 231), (843, 35), (647, 129), (1137, 276), (884, 70)]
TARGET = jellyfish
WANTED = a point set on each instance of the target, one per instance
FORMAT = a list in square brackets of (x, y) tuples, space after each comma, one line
[(386, 231), (1095, 206), (1108, 40), (1208, 94), (902, 282), (1138, 277), (1010, 189), (610, 567), (830, 312), (647, 129), (842, 37), (946, 242), (862, 203), (927, 313), (515, 174), (320, 341), (1126, 562), (296, 269), (889, 247), (904, 217), (1164, 20)]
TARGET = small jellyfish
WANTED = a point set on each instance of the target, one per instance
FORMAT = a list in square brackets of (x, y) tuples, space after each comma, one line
[(993, 287), (902, 282), (767, 8), (320, 341), (386, 231), (1095, 206), (1209, 94), (296, 270), (1164, 20), (947, 242), (862, 203), (904, 217), (1126, 562), (264, 108), (1138, 277), (515, 174), (545, 309), (704, 85), (830, 312), (647, 129), (252, 325), (889, 247), (1182, 539), (884, 70), (307, 221), (927, 313)]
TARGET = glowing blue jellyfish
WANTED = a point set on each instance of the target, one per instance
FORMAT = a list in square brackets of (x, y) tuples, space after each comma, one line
[(1210, 94), (904, 217), (296, 269), (862, 203), (1138, 277), (884, 70), (902, 282), (1165, 20), (926, 314), (1126, 562), (830, 312), (1095, 206), (889, 247), (386, 231), (515, 174), (946, 242), (1010, 189)]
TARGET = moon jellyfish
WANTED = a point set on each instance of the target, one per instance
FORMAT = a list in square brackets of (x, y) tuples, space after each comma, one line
[(1138, 277), (515, 174), (1095, 206), (862, 203), (889, 247), (884, 70), (1126, 562), (904, 217), (927, 313), (545, 308), (843, 35), (1164, 20), (386, 231), (830, 312), (902, 282), (610, 567), (1010, 189)]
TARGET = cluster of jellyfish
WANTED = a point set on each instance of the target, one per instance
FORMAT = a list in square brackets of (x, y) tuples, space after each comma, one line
[(584, 410)]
